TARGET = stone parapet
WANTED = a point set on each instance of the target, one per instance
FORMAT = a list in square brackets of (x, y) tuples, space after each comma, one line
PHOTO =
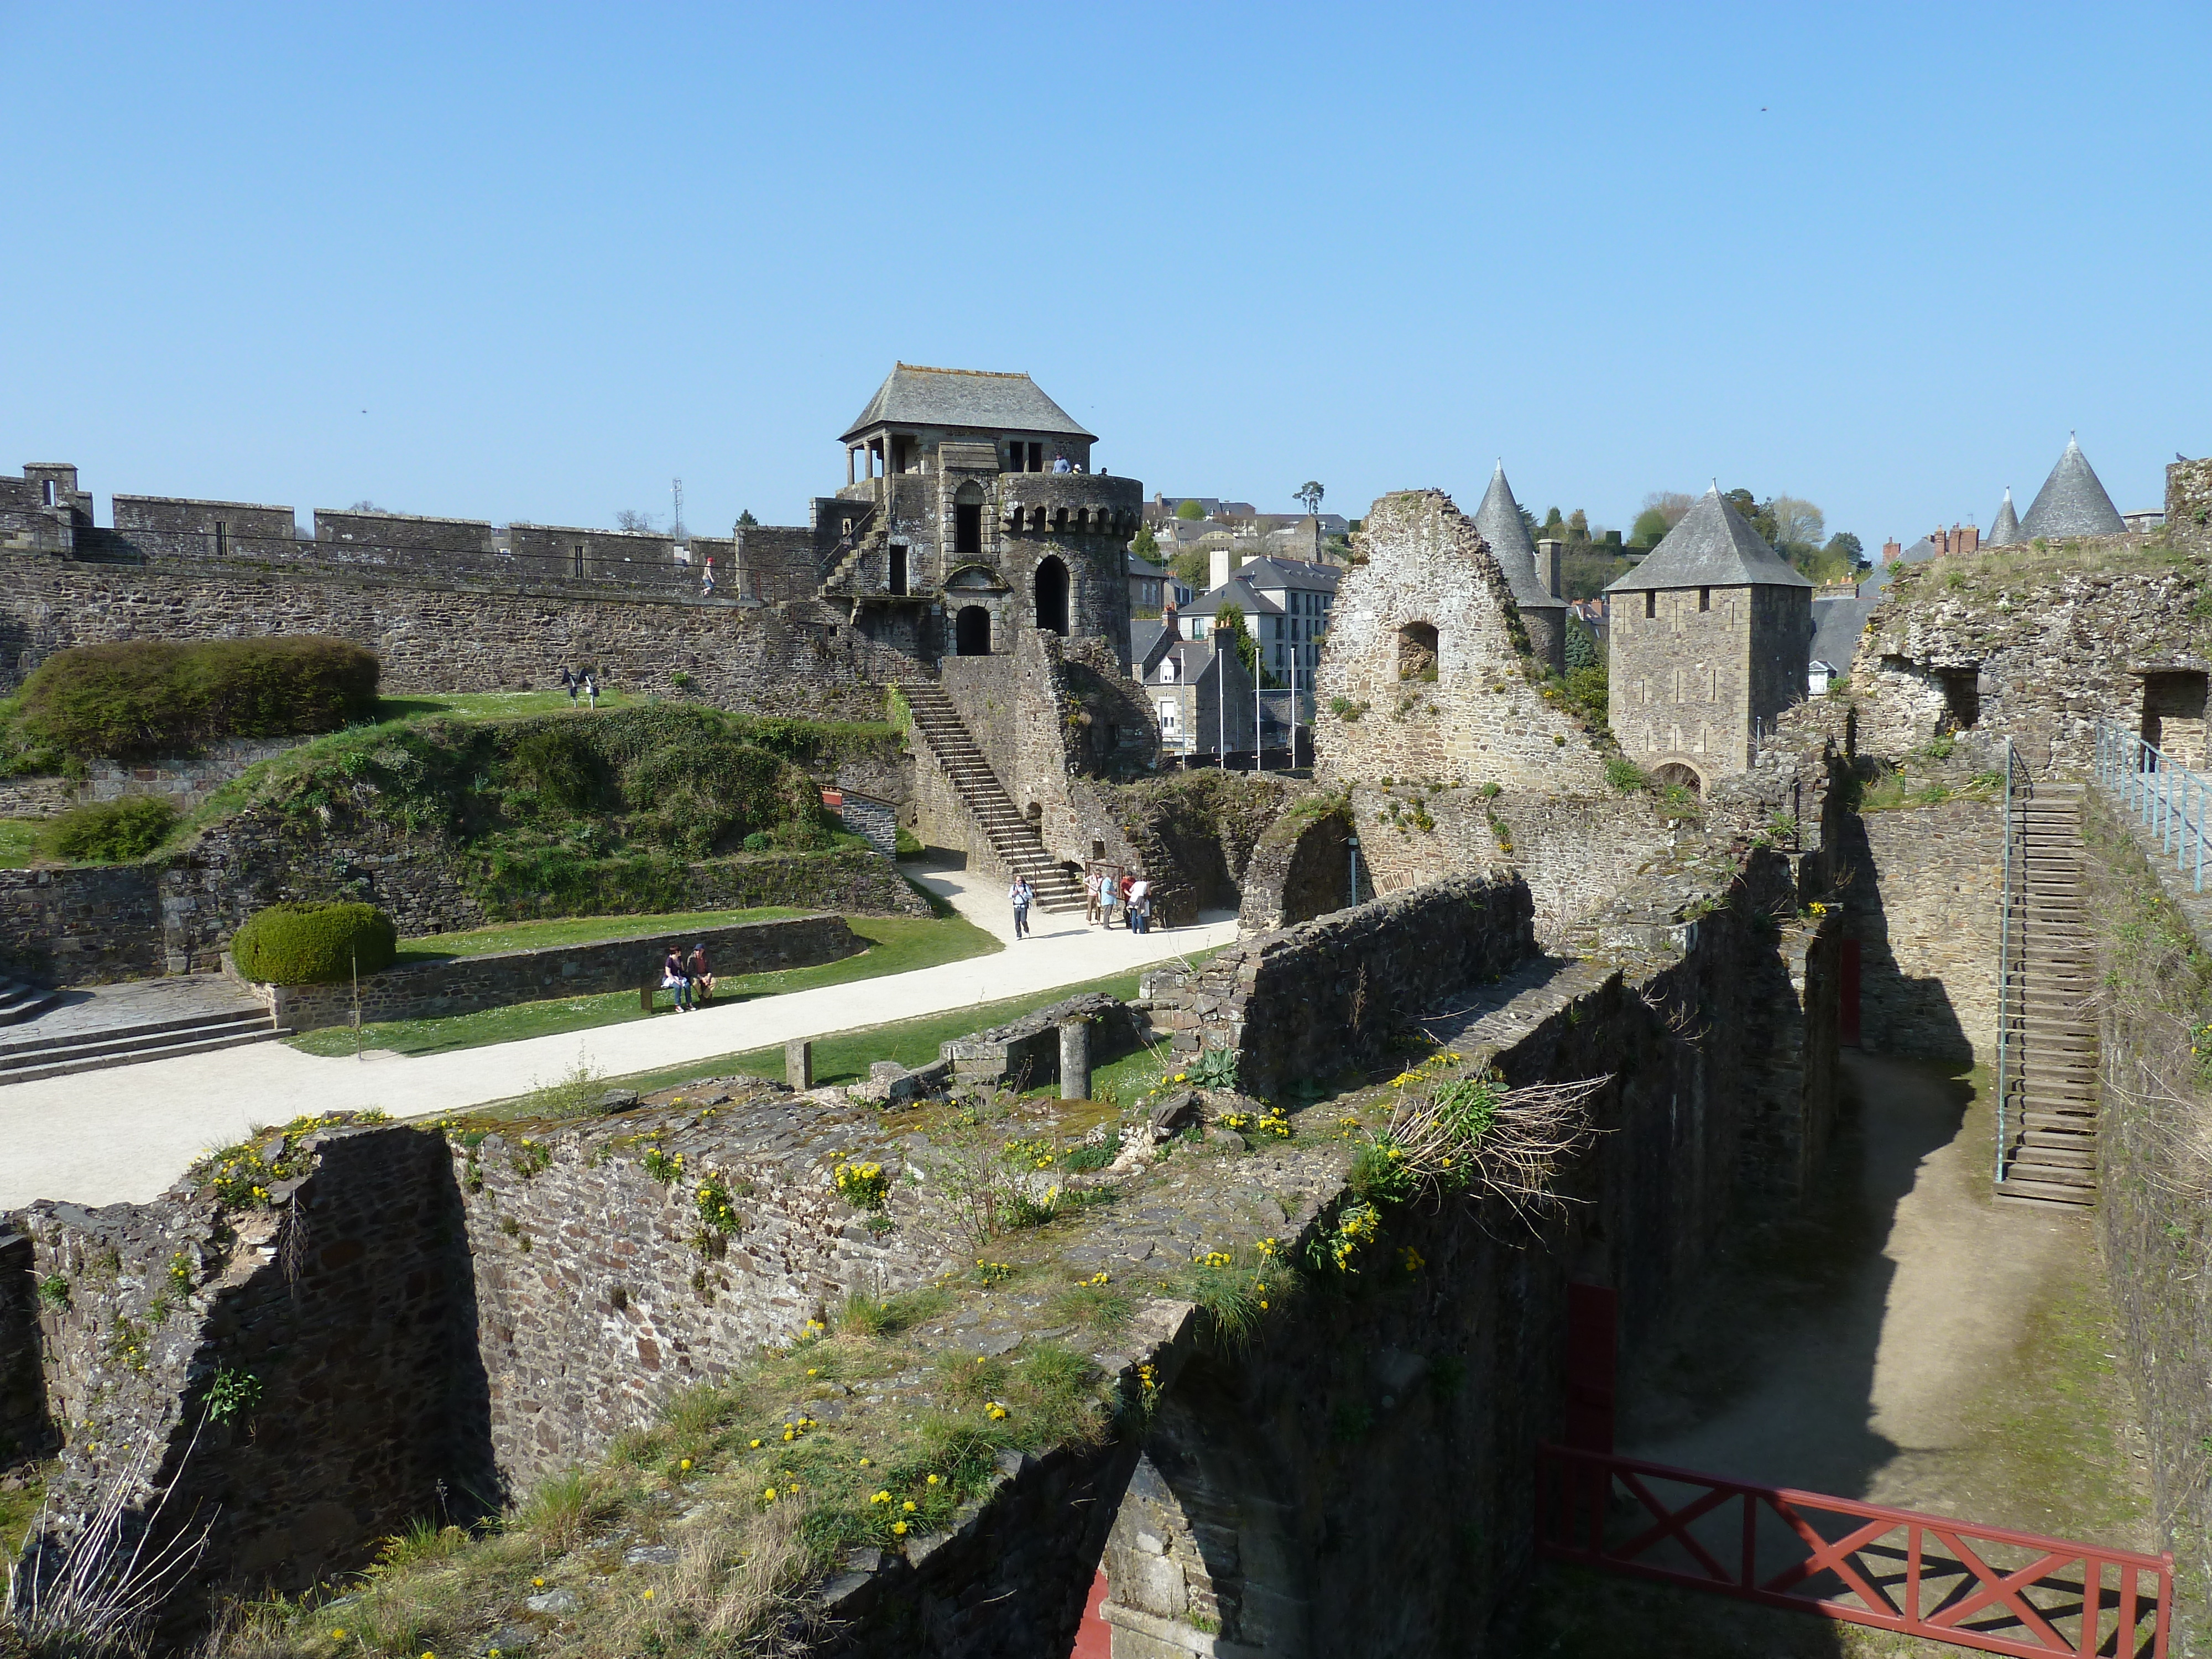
[(1025, 1053)]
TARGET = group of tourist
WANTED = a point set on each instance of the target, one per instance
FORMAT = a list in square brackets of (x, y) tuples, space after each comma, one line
[(689, 977), (1129, 896), (1104, 895)]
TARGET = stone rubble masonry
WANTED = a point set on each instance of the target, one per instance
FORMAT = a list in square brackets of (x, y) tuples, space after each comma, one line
[(94, 924), (1693, 683), (1025, 1054), (445, 633), (2151, 1134), (1305, 1002), (1482, 718), (347, 1301), (462, 984), (186, 781), (1922, 904), (2041, 642), (600, 1291)]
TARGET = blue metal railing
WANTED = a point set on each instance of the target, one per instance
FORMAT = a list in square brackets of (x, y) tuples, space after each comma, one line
[(2171, 802)]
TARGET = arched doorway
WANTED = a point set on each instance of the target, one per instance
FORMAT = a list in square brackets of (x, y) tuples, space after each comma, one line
[(1673, 772), (1052, 595), (971, 632)]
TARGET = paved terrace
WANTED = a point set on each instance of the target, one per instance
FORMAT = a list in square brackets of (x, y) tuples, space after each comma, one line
[(124, 1136)]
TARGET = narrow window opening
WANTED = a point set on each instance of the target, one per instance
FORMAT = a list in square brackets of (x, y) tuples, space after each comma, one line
[(576, 562), (1417, 652), (49, 494), (1650, 604), (968, 527), (898, 567), (221, 537), (1704, 598)]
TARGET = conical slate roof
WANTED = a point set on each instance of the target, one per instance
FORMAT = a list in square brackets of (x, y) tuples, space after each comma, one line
[(1499, 519), (2004, 530), (1712, 547), (2072, 503)]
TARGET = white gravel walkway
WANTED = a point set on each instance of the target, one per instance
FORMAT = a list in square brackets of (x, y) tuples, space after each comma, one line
[(124, 1134)]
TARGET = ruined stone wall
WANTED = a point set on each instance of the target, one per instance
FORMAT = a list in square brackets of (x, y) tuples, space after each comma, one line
[(1922, 905), (185, 781), (2189, 504), (448, 636), (1462, 710), (348, 1303), (601, 1293), (1193, 835), (1306, 1002), (461, 984), (2037, 645)]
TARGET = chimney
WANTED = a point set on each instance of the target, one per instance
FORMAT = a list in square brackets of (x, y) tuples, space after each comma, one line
[(1217, 567), (1549, 554), (1889, 552), (1970, 540)]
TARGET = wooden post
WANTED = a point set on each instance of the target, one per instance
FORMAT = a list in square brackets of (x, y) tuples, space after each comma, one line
[(799, 1064)]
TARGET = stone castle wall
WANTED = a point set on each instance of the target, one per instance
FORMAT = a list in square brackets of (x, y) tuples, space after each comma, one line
[(185, 781), (498, 979), (447, 635), (1922, 904)]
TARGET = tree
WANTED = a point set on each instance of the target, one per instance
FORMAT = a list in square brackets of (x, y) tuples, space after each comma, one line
[(1190, 510), (1194, 567), (1745, 503), (1147, 546), (1582, 645), (364, 507), (1650, 528), (1844, 545), (1669, 504), (1309, 494), (745, 519), (1578, 526), (1554, 528), (1797, 522), (631, 520)]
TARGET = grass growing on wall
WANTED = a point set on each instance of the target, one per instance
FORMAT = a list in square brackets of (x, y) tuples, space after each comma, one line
[(578, 930), (19, 841), (897, 944)]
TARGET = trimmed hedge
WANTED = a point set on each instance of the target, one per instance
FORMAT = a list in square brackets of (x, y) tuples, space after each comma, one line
[(109, 831), (313, 943), (167, 697)]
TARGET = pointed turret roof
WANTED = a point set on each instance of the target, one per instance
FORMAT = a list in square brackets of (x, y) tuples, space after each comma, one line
[(1711, 547), (1500, 520), (2072, 502), (2004, 529)]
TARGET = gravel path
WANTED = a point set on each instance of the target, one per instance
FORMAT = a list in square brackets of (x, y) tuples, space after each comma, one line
[(124, 1136)]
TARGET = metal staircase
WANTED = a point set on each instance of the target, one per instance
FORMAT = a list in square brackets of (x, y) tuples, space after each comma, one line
[(1013, 841), (2046, 1035)]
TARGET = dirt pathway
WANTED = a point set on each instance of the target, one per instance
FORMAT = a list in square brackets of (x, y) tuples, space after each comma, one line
[(1904, 1339)]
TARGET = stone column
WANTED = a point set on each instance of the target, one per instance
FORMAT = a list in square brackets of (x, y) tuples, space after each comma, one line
[(1075, 1060), (799, 1064)]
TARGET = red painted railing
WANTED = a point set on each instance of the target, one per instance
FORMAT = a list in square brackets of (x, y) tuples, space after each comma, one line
[(1921, 1575)]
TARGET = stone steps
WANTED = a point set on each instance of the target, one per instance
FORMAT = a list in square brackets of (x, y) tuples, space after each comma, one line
[(28, 1060), (2051, 1154), (1013, 840), (20, 1002)]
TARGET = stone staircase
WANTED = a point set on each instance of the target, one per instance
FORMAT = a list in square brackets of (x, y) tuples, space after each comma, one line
[(839, 582), (2050, 1115), (20, 1002), (1014, 842)]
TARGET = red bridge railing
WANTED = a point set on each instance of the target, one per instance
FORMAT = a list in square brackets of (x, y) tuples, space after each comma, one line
[(1921, 1575)]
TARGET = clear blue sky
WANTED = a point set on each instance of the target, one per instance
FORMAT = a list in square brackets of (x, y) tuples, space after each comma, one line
[(530, 262)]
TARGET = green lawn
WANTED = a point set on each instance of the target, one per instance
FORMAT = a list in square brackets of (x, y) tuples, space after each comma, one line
[(845, 1056), (488, 705), (19, 840), (575, 930), (897, 943)]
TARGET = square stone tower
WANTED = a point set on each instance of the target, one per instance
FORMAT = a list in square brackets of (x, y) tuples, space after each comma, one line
[(1708, 638)]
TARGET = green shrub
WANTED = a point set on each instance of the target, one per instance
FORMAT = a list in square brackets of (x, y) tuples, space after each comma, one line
[(1625, 775), (109, 831), (166, 696), (313, 943)]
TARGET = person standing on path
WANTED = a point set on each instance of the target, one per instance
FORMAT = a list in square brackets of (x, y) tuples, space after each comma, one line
[(1090, 895), (1140, 907), (1128, 886), (1020, 896)]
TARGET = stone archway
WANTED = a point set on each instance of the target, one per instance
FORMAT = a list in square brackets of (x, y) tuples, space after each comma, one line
[(972, 631), (1679, 772), (1052, 594)]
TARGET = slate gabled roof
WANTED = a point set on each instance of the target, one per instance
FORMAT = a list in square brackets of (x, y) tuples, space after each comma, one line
[(1236, 591), (1837, 625), (913, 396), (1711, 547), (1499, 519), (2072, 502), (2004, 530)]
